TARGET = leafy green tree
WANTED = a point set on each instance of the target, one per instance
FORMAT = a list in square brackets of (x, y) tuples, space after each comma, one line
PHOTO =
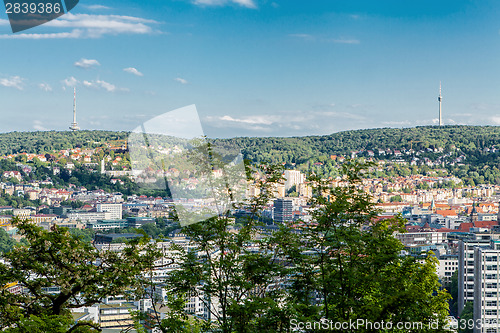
[(466, 317), (222, 269), (351, 265), (6, 242), (86, 235), (452, 288), (396, 198), (83, 275)]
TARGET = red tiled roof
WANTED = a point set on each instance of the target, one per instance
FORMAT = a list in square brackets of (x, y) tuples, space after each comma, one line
[(445, 230), (465, 226), (485, 224), (447, 212)]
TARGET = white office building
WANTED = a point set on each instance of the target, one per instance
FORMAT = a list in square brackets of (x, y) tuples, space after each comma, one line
[(466, 270), (448, 264), (85, 216), (115, 210), (293, 177), (486, 288)]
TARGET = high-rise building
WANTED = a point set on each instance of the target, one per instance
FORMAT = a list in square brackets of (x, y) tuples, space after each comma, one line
[(486, 288), (293, 177), (466, 269), (283, 210), (115, 210)]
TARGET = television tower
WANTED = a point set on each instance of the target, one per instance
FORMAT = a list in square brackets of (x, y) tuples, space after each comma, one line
[(440, 98), (74, 125)]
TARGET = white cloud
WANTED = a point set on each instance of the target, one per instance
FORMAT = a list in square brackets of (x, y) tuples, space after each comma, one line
[(181, 80), (4, 22), (246, 3), (291, 122), (38, 125), (462, 114), (96, 7), (91, 26), (133, 70), (243, 3), (70, 82), (99, 84), (253, 120), (343, 115), (45, 87), (87, 63), (12, 82), (60, 35), (397, 123), (495, 120)]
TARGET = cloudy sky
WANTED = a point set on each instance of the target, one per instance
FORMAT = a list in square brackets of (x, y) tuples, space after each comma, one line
[(255, 67)]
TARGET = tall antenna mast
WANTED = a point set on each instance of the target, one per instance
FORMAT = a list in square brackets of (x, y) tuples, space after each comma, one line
[(440, 98), (74, 125)]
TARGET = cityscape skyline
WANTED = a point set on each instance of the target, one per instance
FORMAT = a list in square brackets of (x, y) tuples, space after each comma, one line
[(255, 67)]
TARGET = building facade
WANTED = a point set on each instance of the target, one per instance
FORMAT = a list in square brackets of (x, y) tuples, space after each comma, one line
[(115, 210)]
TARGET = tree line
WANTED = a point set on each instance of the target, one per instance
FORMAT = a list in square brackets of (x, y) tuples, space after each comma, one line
[(342, 267)]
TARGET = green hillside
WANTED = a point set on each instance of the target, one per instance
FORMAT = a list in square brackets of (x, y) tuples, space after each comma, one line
[(39, 142), (469, 139), (290, 149), (469, 152)]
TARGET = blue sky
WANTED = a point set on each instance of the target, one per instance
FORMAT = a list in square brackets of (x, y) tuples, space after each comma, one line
[(255, 67)]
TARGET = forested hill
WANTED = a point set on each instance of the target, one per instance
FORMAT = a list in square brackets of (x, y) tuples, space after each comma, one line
[(47, 141), (469, 139)]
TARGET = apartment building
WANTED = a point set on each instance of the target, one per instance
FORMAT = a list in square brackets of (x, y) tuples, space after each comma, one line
[(486, 288), (115, 210), (466, 282)]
